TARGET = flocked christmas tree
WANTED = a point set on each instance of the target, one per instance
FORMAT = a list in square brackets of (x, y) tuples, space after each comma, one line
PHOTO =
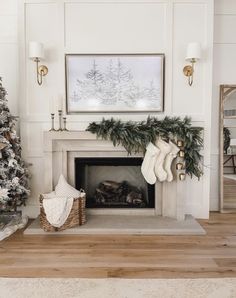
[(14, 176)]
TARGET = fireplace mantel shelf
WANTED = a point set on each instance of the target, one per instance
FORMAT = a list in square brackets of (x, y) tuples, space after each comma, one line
[(85, 138), (72, 135)]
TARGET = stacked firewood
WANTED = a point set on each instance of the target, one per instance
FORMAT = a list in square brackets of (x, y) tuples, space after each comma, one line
[(119, 194)]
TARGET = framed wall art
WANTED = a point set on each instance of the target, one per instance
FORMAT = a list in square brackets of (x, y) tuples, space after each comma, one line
[(114, 83)]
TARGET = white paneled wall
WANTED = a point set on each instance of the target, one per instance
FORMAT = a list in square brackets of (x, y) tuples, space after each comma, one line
[(183, 100), (134, 26), (118, 25), (9, 51), (224, 72)]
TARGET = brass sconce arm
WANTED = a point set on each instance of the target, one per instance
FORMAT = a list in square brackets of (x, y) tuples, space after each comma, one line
[(41, 71), (188, 71)]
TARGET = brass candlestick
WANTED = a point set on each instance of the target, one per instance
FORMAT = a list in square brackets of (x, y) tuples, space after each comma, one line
[(60, 120), (52, 124), (64, 124)]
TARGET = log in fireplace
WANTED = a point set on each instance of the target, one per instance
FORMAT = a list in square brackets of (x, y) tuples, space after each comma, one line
[(114, 182)]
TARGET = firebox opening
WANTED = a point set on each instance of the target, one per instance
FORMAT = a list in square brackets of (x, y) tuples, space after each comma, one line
[(113, 183)]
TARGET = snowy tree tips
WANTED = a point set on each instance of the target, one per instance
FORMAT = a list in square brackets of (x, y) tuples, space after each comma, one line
[(14, 176)]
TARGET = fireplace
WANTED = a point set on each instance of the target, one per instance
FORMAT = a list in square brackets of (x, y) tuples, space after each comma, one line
[(113, 182), (61, 149)]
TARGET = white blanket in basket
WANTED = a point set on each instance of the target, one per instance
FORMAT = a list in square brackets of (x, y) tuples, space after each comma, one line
[(57, 209), (57, 204)]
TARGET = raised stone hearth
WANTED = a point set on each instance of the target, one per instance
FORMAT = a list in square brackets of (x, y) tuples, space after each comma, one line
[(123, 224), (62, 148)]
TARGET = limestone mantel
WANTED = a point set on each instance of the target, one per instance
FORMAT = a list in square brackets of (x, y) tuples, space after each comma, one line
[(61, 148)]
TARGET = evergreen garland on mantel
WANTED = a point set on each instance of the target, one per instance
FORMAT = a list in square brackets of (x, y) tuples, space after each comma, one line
[(135, 136)]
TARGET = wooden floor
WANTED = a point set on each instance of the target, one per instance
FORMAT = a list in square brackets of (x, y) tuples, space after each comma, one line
[(212, 255), (229, 193)]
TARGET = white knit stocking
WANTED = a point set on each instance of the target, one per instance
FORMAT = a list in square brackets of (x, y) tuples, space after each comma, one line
[(165, 148), (168, 160), (148, 164)]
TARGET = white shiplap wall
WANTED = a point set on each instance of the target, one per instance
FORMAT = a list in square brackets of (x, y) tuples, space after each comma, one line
[(224, 66), (9, 51), (224, 72), (134, 26)]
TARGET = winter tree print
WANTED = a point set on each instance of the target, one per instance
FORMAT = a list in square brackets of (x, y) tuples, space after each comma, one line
[(114, 83)]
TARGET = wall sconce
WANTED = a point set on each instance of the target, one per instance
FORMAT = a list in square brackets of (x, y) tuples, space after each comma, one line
[(193, 55), (36, 52)]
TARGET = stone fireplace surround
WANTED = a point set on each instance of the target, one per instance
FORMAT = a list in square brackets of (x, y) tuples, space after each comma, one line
[(167, 218), (60, 150)]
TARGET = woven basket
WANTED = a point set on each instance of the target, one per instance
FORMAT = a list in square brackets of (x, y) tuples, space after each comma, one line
[(77, 216)]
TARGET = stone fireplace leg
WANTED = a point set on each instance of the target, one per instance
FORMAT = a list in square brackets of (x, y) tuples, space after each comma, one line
[(173, 203)]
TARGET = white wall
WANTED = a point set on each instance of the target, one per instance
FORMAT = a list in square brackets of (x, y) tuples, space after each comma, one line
[(9, 51), (224, 69), (134, 26)]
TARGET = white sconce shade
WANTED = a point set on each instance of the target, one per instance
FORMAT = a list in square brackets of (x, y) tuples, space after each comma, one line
[(36, 53), (192, 56), (36, 50), (193, 51)]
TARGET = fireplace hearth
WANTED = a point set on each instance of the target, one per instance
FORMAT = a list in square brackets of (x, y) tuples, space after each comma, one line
[(113, 183)]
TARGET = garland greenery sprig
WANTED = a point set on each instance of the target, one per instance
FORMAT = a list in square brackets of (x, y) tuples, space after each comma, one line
[(135, 136)]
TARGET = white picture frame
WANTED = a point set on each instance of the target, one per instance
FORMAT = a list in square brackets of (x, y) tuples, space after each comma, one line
[(111, 83)]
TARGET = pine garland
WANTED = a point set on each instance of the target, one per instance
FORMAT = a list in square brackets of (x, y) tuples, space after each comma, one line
[(134, 136)]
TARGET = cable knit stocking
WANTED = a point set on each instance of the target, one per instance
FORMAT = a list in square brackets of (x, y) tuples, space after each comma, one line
[(168, 160), (165, 148), (148, 164)]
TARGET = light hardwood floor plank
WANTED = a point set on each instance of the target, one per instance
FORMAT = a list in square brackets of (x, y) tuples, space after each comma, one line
[(127, 256)]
